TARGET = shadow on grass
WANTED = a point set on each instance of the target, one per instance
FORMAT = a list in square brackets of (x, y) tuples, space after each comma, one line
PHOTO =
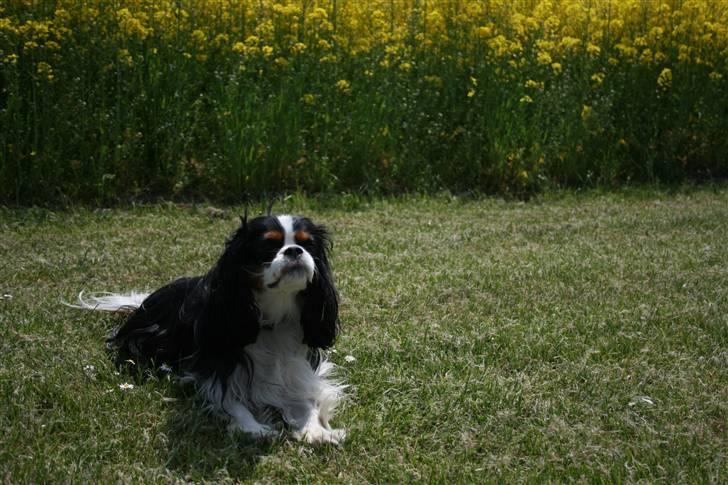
[(200, 448), (196, 445)]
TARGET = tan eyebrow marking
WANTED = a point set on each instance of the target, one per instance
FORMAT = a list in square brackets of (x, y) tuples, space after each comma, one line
[(302, 236), (273, 236)]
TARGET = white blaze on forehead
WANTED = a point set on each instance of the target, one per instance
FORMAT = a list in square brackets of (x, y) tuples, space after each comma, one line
[(286, 223)]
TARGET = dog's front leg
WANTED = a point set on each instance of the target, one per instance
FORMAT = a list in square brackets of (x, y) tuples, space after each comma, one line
[(241, 419), (309, 426)]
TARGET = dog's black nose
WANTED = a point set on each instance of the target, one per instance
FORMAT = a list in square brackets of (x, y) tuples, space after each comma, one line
[(293, 252)]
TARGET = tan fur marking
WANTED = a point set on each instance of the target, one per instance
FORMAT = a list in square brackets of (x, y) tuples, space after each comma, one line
[(273, 236), (302, 236)]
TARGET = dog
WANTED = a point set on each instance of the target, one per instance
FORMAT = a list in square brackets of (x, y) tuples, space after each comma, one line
[(251, 333)]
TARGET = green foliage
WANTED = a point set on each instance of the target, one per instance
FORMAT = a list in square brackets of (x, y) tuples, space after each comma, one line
[(102, 102)]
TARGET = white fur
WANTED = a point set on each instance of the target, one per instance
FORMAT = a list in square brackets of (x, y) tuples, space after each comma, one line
[(286, 223), (275, 272), (110, 302), (282, 379)]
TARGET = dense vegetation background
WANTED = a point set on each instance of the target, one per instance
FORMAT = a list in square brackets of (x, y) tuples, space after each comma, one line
[(128, 99)]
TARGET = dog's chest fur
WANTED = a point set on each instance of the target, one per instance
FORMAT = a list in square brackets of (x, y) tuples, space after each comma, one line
[(282, 372)]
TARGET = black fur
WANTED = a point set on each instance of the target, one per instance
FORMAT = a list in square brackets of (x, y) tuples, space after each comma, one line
[(320, 312), (200, 325)]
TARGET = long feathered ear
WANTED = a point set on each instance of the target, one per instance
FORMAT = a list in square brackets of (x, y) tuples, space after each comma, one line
[(228, 317), (320, 312)]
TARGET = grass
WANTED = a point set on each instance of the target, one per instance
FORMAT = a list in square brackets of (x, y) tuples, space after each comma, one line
[(572, 338)]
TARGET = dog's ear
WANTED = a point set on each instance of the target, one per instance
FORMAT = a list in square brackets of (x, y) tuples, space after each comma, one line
[(235, 245), (320, 310), (228, 318), (320, 313)]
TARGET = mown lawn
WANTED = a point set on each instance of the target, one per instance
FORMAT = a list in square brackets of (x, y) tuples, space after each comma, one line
[(573, 337)]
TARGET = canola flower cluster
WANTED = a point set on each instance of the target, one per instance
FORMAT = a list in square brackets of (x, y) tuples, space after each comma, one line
[(547, 33), (466, 48)]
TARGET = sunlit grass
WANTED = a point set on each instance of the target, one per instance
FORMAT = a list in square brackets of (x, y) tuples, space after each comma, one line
[(577, 338)]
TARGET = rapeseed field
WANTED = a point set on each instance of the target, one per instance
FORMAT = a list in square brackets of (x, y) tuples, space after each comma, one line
[(102, 100)]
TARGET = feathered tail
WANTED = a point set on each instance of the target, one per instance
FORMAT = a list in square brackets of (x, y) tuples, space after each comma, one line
[(110, 302)]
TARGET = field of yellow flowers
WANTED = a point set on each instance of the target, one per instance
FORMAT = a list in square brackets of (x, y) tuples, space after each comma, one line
[(135, 98)]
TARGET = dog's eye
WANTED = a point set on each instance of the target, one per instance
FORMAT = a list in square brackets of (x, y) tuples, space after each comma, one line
[(275, 236), (302, 237)]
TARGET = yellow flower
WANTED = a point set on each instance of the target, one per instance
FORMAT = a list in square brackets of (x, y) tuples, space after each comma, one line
[(526, 99), (684, 53), (308, 99), (45, 69), (598, 78), (664, 80), (125, 57), (569, 44), (221, 40), (586, 112), (434, 80), (132, 26), (343, 86), (544, 57), (485, 31), (646, 57), (199, 37), (626, 51), (538, 85), (556, 67)]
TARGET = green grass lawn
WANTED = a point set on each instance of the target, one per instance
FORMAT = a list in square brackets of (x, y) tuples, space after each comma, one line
[(574, 337)]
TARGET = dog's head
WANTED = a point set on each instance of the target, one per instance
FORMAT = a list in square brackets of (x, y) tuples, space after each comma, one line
[(283, 256)]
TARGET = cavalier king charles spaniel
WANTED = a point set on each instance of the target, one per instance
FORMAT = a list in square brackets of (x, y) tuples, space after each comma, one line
[(250, 333)]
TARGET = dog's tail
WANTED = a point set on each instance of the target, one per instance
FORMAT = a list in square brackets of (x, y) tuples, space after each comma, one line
[(110, 302)]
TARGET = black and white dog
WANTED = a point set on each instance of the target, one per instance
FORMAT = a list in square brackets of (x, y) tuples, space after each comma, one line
[(249, 333)]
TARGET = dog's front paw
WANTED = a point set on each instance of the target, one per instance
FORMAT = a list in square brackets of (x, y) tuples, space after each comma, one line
[(257, 431), (318, 435)]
